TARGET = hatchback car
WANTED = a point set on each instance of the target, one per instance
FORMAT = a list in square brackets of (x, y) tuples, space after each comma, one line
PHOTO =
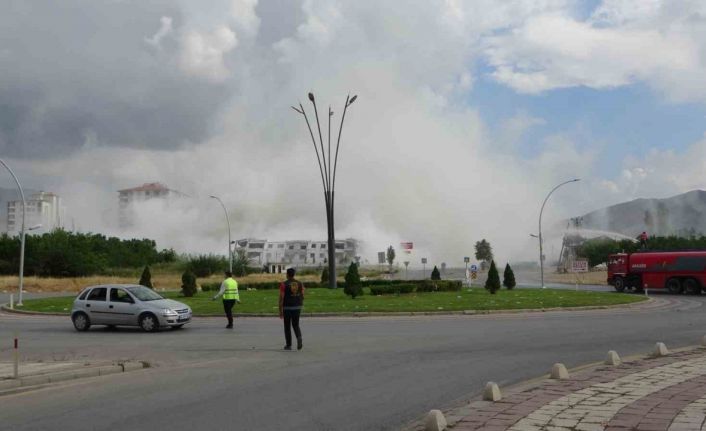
[(127, 305)]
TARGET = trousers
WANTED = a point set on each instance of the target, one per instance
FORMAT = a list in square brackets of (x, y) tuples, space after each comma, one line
[(228, 308), (291, 320)]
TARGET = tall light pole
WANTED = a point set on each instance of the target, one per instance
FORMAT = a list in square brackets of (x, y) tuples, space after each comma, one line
[(230, 254), (22, 231), (328, 174), (541, 250)]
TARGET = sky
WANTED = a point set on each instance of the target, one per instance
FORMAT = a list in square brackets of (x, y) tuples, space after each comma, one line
[(468, 113)]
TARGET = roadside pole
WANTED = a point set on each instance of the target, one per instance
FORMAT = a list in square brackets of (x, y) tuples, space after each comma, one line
[(16, 364), (12, 301)]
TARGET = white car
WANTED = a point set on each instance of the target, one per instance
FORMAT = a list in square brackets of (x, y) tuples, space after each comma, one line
[(127, 305)]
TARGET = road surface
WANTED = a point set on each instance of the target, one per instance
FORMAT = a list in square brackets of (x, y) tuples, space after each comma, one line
[(353, 374)]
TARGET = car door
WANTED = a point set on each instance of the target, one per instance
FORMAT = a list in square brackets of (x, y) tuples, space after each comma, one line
[(97, 306), (121, 307)]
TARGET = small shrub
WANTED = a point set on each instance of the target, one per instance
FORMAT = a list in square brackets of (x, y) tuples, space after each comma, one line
[(509, 277), (435, 274), (324, 275), (493, 281), (188, 284), (352, 286), (210, 287), (146, 278)]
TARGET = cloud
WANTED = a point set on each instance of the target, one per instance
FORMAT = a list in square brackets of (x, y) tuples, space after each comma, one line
[(659, 43), (203, 53), (208, 113), (165, 29)]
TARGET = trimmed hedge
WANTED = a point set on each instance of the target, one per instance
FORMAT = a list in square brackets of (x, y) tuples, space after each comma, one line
[(270, 285), (377, 287), (392, 289)]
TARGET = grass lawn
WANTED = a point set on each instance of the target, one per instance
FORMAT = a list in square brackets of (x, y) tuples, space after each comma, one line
[(335, 301)]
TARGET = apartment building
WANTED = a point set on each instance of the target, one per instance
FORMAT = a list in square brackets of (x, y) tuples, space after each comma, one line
[(277, 255), (43, 208), (129, 199)]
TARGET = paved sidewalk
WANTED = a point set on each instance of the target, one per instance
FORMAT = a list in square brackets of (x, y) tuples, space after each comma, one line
[(652, 394), (34, 368)]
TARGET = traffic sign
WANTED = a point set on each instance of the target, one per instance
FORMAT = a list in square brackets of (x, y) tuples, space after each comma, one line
[(474, 275), (466, 259), (424, 260), (474, 268)]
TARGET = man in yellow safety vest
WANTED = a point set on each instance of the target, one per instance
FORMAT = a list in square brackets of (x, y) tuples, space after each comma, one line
[(229, 290)]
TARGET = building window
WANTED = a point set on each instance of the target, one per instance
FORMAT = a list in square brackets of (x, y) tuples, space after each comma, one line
[(269, 245), (313, 245), (303, 247), (323, 246), (291, 247), (280, 245)]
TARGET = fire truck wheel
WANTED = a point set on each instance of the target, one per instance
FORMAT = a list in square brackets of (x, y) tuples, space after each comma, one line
[(619, 284), (674, 285), (692, 287)]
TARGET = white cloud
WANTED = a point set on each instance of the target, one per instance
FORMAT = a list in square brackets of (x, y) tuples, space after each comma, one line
[(621, 43), (165, 29), (203, 53), (244, 15)]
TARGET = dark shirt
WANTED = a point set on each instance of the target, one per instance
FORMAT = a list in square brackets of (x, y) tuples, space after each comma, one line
[(292, 293)]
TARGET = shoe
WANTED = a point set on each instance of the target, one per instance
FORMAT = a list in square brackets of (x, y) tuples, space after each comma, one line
[(299, 344), (229, 326), (287, 347)]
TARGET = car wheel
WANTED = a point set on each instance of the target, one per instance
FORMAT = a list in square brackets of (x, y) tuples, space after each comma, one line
[(177, 326), (619, 284), (149, 323), (81, 322), (674, 285), (692, 287)]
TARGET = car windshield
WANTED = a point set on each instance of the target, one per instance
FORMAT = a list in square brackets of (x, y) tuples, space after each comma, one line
[(144, 294)]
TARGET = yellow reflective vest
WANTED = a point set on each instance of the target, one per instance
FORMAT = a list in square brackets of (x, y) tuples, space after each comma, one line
[(231, 290)]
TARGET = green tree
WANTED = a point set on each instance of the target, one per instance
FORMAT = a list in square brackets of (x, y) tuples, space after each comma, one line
[(241, 262), (435, 274), (188, 284), (390, 256), (324, 276), (509, 277), (493, 281), (146, 278), (353, 287), (484, 252)]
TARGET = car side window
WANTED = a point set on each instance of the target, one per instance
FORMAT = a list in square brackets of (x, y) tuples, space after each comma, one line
[(119, 295), (83, 295), (97, 294)]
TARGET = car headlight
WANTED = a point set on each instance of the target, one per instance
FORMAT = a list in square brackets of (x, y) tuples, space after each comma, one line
[(168, 312)]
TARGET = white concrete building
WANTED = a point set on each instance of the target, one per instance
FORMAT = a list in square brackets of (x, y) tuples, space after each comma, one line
[(129, 199), (278, 255), (43, 208)]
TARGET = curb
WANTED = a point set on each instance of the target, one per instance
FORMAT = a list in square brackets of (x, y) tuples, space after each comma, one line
[(7, 309), (526, 385), (13, 386)]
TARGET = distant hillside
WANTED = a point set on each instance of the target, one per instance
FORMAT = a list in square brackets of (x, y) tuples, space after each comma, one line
[(680, 215)]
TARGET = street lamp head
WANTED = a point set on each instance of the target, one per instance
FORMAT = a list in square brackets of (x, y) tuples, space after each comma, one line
[(576, 179), (213, 197), (311, 97), (297, 109), (350, 102), (39, 226)]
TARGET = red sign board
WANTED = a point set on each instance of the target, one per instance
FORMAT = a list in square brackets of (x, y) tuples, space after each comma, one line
[(407, 247)]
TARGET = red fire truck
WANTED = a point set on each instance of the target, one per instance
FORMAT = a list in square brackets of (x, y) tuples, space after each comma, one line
[(676, 271)]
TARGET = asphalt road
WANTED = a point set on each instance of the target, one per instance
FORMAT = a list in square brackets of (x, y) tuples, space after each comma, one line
[(354, 374)]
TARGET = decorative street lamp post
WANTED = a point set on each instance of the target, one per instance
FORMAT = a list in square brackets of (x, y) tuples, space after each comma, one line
[(541, 251), (328, 174)]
